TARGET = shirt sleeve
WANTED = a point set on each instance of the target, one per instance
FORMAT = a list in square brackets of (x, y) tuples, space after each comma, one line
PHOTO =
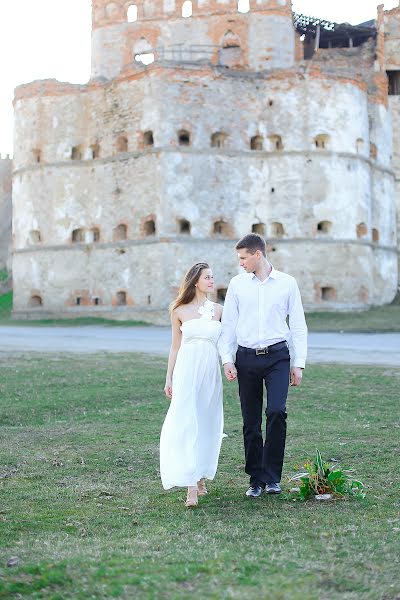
[(298, 328), (227, 342)]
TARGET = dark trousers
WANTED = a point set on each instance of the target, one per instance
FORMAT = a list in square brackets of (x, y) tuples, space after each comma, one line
[(264, 460)]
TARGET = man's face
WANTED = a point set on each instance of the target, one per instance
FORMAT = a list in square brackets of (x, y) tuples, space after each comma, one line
[(249, 261)]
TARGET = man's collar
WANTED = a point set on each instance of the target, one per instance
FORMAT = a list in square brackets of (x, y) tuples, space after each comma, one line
[(272, 274)]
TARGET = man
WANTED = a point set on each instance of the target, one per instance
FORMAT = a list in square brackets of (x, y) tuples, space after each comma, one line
[(257, 305)]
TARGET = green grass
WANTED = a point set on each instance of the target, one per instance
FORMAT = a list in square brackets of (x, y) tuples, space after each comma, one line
[(82, 506)]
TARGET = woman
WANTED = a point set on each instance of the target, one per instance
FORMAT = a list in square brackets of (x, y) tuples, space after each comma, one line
[(193, 428)]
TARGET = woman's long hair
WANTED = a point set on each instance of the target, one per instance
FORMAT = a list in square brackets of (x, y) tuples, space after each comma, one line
[(187, 291)]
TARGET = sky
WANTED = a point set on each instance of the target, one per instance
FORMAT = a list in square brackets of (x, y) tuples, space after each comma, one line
[(41, 39)]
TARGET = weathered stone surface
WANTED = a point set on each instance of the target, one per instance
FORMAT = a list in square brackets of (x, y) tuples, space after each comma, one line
[(121, 184), (5, 213)]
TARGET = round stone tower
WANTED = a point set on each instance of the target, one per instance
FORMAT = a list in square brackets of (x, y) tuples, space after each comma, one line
[(202, 123)]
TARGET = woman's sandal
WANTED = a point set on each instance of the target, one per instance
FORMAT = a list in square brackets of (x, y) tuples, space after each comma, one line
[(201, 487), (191, 498)]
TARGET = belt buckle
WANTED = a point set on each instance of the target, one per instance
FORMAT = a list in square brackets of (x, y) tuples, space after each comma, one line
[(261, 351)]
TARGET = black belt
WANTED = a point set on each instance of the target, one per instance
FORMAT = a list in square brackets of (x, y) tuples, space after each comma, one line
[(265, 350)]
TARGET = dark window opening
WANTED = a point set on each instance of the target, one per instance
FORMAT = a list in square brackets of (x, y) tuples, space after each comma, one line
[(184, 226), (150, 227), (221, 228), (324, 226), (258, 228), (96, 301), (183, 137), (328, 294), (277, 229), (78, 301), (375, 235), (95, 148), (393, 82), (218, 139), (35, 301), (76, 153), (121, 298), (257, 142), (148, 139), (78, 235)]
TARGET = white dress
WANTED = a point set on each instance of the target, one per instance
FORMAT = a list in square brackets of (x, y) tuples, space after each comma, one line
[(193, 428)]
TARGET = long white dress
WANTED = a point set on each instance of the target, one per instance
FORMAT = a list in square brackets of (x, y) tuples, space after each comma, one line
[(191, 436)]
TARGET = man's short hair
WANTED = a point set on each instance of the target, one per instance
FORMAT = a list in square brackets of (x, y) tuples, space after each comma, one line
[(252, 242)]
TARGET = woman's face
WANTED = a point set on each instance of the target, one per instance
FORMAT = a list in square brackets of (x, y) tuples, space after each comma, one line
[(205, 283)]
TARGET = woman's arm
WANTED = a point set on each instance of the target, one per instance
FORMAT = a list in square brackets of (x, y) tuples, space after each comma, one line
[(175, 345)]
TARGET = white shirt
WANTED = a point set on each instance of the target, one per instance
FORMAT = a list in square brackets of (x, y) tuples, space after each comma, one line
[(255, 315)]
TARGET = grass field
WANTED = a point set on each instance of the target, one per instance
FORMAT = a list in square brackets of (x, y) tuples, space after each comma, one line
[(82, 507)]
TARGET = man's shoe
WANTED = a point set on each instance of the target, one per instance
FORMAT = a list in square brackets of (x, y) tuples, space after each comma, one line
[(254, 491), (273, 488)]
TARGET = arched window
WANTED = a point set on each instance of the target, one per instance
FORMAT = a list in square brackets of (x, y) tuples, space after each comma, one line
[(243, 6), (258, 228), (218, 139), (375, 235), (221, 228), (78, 235), (121, 298), (277, 229), (148, 139), (122, 143), (149, 227), (184, 226), (257, 142), (34, 236), (373, 150), (120, 232), (321, 141), (187, 9), (142, 52), (76, 152), (276, 142), (361, 230), (328, 294), (183, 137), (95, 232), (231, 54), (132, 13), (95, 150), (324, 227), (35, 301), (37, 155), (359, 145)]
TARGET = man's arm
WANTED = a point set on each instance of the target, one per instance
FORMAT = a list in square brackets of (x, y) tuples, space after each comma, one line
[(227, 341), (298, 330)]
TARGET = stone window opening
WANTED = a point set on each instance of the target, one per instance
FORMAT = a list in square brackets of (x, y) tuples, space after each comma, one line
[(373, 150), (76, 153), (78, 235), (361, 230), (270, 102), (37, 155), (35, 301), (230, 54), (149, 227), (149, 299), (243, 6), (34, 236), (393, 82), (120, 233), (375, 235), (221, 228), (96, 301), (221, 295), (121, 298), (187, 9), (218, 139), (148, 138), (183, 137), (95, 234), (184, 226), (359, 145), (122, 143), (143, 52), (277, 229), (328, 294), (95, 149), (272, 190), (276, 142), (324, 227), (321, 141), (132, 13), (78, 301), (258, 228), (257, 142)]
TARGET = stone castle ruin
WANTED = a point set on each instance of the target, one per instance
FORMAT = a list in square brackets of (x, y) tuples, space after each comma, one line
[(203, 121), (5, 217)]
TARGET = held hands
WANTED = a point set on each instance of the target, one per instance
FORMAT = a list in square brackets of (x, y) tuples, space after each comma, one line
[(296, 374), (168, 389), (230, 371)]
